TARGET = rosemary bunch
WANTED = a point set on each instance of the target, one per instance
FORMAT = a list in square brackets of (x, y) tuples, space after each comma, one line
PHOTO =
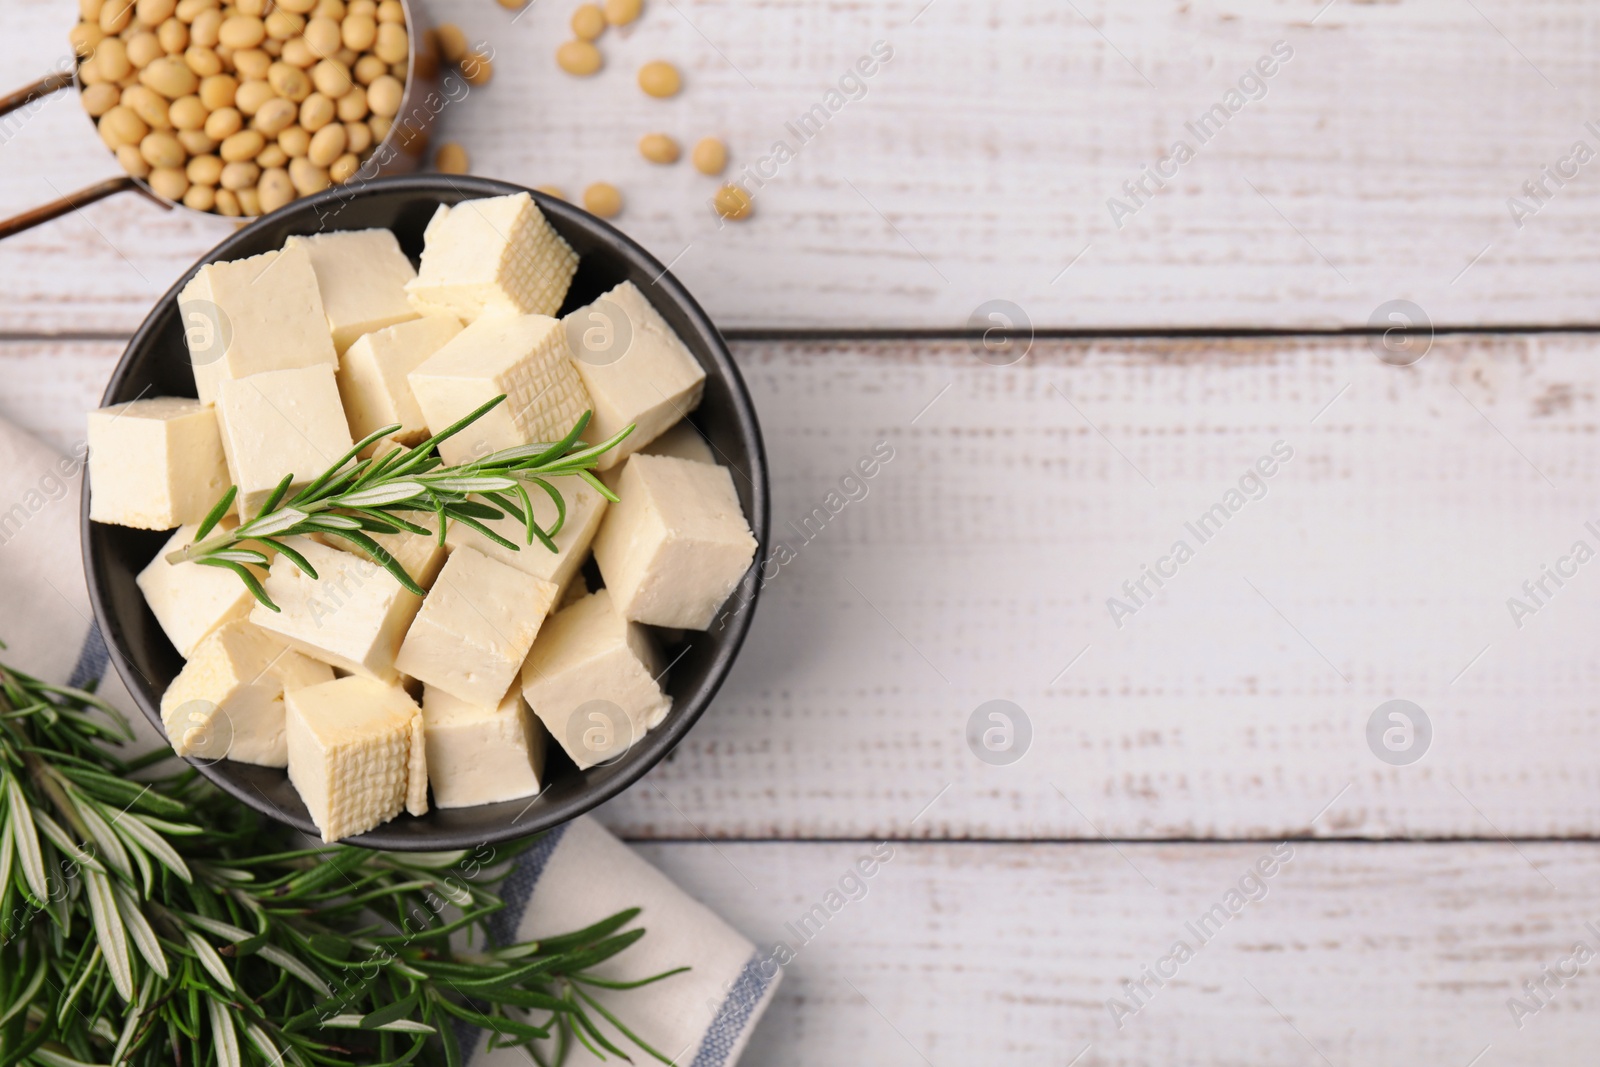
[(161, 922), (354, 499)]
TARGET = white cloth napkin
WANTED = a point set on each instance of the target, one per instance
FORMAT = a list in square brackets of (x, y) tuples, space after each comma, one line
[(575, 875)]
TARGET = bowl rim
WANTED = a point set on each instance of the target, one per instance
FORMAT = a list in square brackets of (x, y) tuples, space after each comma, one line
[(682, 718)]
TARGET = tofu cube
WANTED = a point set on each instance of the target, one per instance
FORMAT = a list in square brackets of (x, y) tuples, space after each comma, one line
[(156, 463), (421, 556), (683, 441), (475, 628), (252, 315), (277, 423), (228, 699), (481, 754), (352, 615), (585, 508), (356, 754), (591, 677), (372, 376), (676, 544), (634, 367), (188, 600), (522, 356), (497, 253), (361, 276)]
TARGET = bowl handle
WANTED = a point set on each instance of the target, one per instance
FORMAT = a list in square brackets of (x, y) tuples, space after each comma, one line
[(52, 83), (73, 201)]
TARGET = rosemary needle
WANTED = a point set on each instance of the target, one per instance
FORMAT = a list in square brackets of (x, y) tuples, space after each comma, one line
[(150, 921), (354, 499)]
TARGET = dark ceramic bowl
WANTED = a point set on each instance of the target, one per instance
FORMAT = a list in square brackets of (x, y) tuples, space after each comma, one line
[(156, 363)]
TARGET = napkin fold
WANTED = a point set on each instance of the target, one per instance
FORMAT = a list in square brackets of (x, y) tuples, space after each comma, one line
[(573, 876)]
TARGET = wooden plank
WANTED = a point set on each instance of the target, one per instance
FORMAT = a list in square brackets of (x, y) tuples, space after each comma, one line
[(979, 161), (977, 564), (1235, 702), (1355, 954)]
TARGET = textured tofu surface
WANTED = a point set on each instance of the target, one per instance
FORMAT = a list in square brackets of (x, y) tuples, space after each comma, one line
[(481, 754), (278, 423), (676, 544), (188, 600), (521, 356), (252, 315), (475, 628), (155, 464), (228, 699), (353, 615), (350, 752), (494, 254), (372, 376), (635, 368), (591, 679), (361, 277), (585, 508)]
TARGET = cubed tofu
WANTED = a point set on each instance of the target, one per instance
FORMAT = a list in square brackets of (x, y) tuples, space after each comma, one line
[(421, 555), (277, 423), (481, 754), (355, 752), (352, 615), (498, 253), (372, 376), (683, 441), (523, 357), (591, 677), (228, 699), (190, 600), (252, 315), (676, 544), (585, 508), (476, 627), (634, 368), (155, 464), (361, 276)]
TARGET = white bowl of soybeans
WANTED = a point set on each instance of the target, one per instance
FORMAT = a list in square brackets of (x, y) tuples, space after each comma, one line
[(238, 107)]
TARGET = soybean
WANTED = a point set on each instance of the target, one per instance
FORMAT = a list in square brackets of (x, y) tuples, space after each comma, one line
[(622, 12), (710, 156), (732, 203), (275, 188), (383, 96), (658, 148), (578, 57), (452, 42), (327, 145), (451, 159), (588, 21), (196, 142), (660, 79), (344, 168), (603, 199)]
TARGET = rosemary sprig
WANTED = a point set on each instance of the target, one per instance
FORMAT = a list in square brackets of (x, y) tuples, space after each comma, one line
[(154, 921), (354, 499)]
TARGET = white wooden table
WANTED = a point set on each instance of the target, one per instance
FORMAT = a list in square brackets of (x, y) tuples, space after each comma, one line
[(1229, 711)]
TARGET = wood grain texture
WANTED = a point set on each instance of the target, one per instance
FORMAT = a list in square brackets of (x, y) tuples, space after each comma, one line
[(1357, 954), (979, 561), (978, 162)]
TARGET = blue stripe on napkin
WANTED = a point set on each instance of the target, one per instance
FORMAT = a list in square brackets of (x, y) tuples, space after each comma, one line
[(516, 891), (93, 659), (734, 1015)]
